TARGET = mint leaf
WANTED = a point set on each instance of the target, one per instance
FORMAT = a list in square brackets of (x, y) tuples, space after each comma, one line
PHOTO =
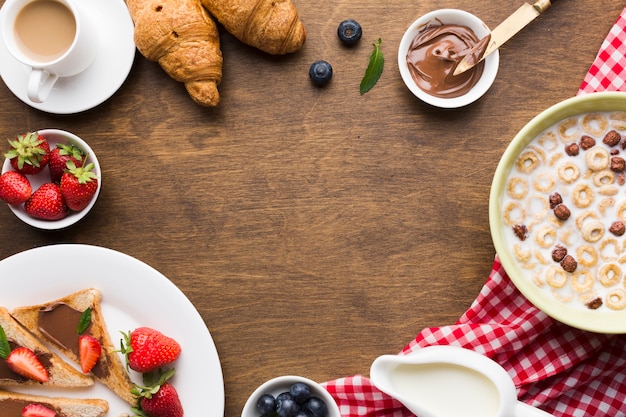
[(5, 348), (84, 322), (374, 69)]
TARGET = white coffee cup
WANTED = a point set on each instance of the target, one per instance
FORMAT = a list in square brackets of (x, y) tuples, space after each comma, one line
[(53, 37)]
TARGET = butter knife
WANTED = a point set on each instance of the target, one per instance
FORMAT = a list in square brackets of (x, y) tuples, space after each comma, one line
[(505, 31)]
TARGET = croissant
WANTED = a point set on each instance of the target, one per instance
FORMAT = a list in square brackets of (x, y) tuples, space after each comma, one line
[(272, 26), (183, 38)]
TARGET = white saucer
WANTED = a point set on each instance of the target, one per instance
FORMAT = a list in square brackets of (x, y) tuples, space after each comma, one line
[(116, 53)]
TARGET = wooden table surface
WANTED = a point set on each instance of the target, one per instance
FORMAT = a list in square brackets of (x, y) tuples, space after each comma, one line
[(314, 228)]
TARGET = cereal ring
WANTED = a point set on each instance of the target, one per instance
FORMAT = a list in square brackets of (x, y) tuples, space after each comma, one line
[(610, 274), (604, 177), (621, 211), (605, 203), (582, 281), (548, 141), (528, 162), (514, 213), (604, 249), (541, 258), (538, 206), (568, 130), (597, 158), (586, 256), (517, 188), (544, 182), (569, 236), (608, 190), (580, 220), (593, 231), (582, 195), (556, 277), (568, 172), (522, 254), (595, 123), (618, 120), (555, 158), (546, 236), (616, 299)]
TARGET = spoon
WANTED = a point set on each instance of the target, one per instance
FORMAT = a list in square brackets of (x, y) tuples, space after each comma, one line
[(449, 381)]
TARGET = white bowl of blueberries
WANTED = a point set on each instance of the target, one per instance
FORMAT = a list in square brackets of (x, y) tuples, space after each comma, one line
[(290, 396)]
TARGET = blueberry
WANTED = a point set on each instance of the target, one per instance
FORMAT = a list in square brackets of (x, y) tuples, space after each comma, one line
[(320, 72), (349, 32), (287, 407), (300, 392), (266, 404), (304, 413), (316, 406)]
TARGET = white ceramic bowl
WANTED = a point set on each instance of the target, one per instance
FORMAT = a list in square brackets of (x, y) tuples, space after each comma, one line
[(282, 384), (448, 17), (602, 320), (55, 136)]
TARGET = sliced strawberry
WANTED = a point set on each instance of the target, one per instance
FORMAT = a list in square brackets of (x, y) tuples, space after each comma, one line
[(15, 188), (89, 350), (38, 410), (23, 361)]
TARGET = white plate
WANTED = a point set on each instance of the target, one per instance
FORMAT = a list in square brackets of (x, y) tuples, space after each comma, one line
[(116, 53), (133, 294)]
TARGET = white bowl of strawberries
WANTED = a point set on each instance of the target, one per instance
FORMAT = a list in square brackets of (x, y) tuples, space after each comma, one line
[(50, 179)]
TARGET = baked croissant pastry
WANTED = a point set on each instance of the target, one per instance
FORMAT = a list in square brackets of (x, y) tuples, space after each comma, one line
[(183, 38), (272, 26)]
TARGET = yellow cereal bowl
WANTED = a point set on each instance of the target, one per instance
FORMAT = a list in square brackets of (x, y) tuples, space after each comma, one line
[(601, 320)]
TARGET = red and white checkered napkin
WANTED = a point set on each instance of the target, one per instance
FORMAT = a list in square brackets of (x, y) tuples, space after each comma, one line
[(559, 369), (608, 71), (562, 370)]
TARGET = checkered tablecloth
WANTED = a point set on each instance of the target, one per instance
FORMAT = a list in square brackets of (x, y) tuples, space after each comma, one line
[(559, 369)]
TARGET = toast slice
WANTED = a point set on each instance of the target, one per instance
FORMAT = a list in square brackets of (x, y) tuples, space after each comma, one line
[(57, 322), (61, 374), (12, 403)]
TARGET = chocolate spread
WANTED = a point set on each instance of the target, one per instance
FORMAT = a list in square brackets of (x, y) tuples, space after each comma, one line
[(434, 54), (8, 375), (59, 323), (13, 408)]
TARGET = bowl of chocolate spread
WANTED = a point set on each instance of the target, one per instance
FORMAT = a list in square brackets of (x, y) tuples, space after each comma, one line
[(430, 50)]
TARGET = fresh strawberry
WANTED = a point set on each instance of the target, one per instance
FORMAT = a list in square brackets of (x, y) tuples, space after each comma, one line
[(38, 410), (165, 403), (147, 349), (29, 153), (15, 188), (47, 203), (158, 398), (78, 185), (89, 350), (59, 156), (23, 361)]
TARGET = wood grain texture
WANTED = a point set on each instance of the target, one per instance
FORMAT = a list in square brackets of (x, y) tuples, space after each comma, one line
[(314, 229)]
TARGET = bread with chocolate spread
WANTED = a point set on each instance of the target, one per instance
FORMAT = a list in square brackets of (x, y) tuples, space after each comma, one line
[(60, 373), (57, 321), (12, 403)]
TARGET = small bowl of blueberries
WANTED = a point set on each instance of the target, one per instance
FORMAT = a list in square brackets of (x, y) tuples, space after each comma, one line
[(290, 396)]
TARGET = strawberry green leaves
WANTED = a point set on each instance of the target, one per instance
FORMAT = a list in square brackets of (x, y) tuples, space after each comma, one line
[(84, 322), (5, 348), (374, 69)]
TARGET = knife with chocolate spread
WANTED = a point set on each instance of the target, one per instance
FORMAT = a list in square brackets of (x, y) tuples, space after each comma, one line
[(434, 54)]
